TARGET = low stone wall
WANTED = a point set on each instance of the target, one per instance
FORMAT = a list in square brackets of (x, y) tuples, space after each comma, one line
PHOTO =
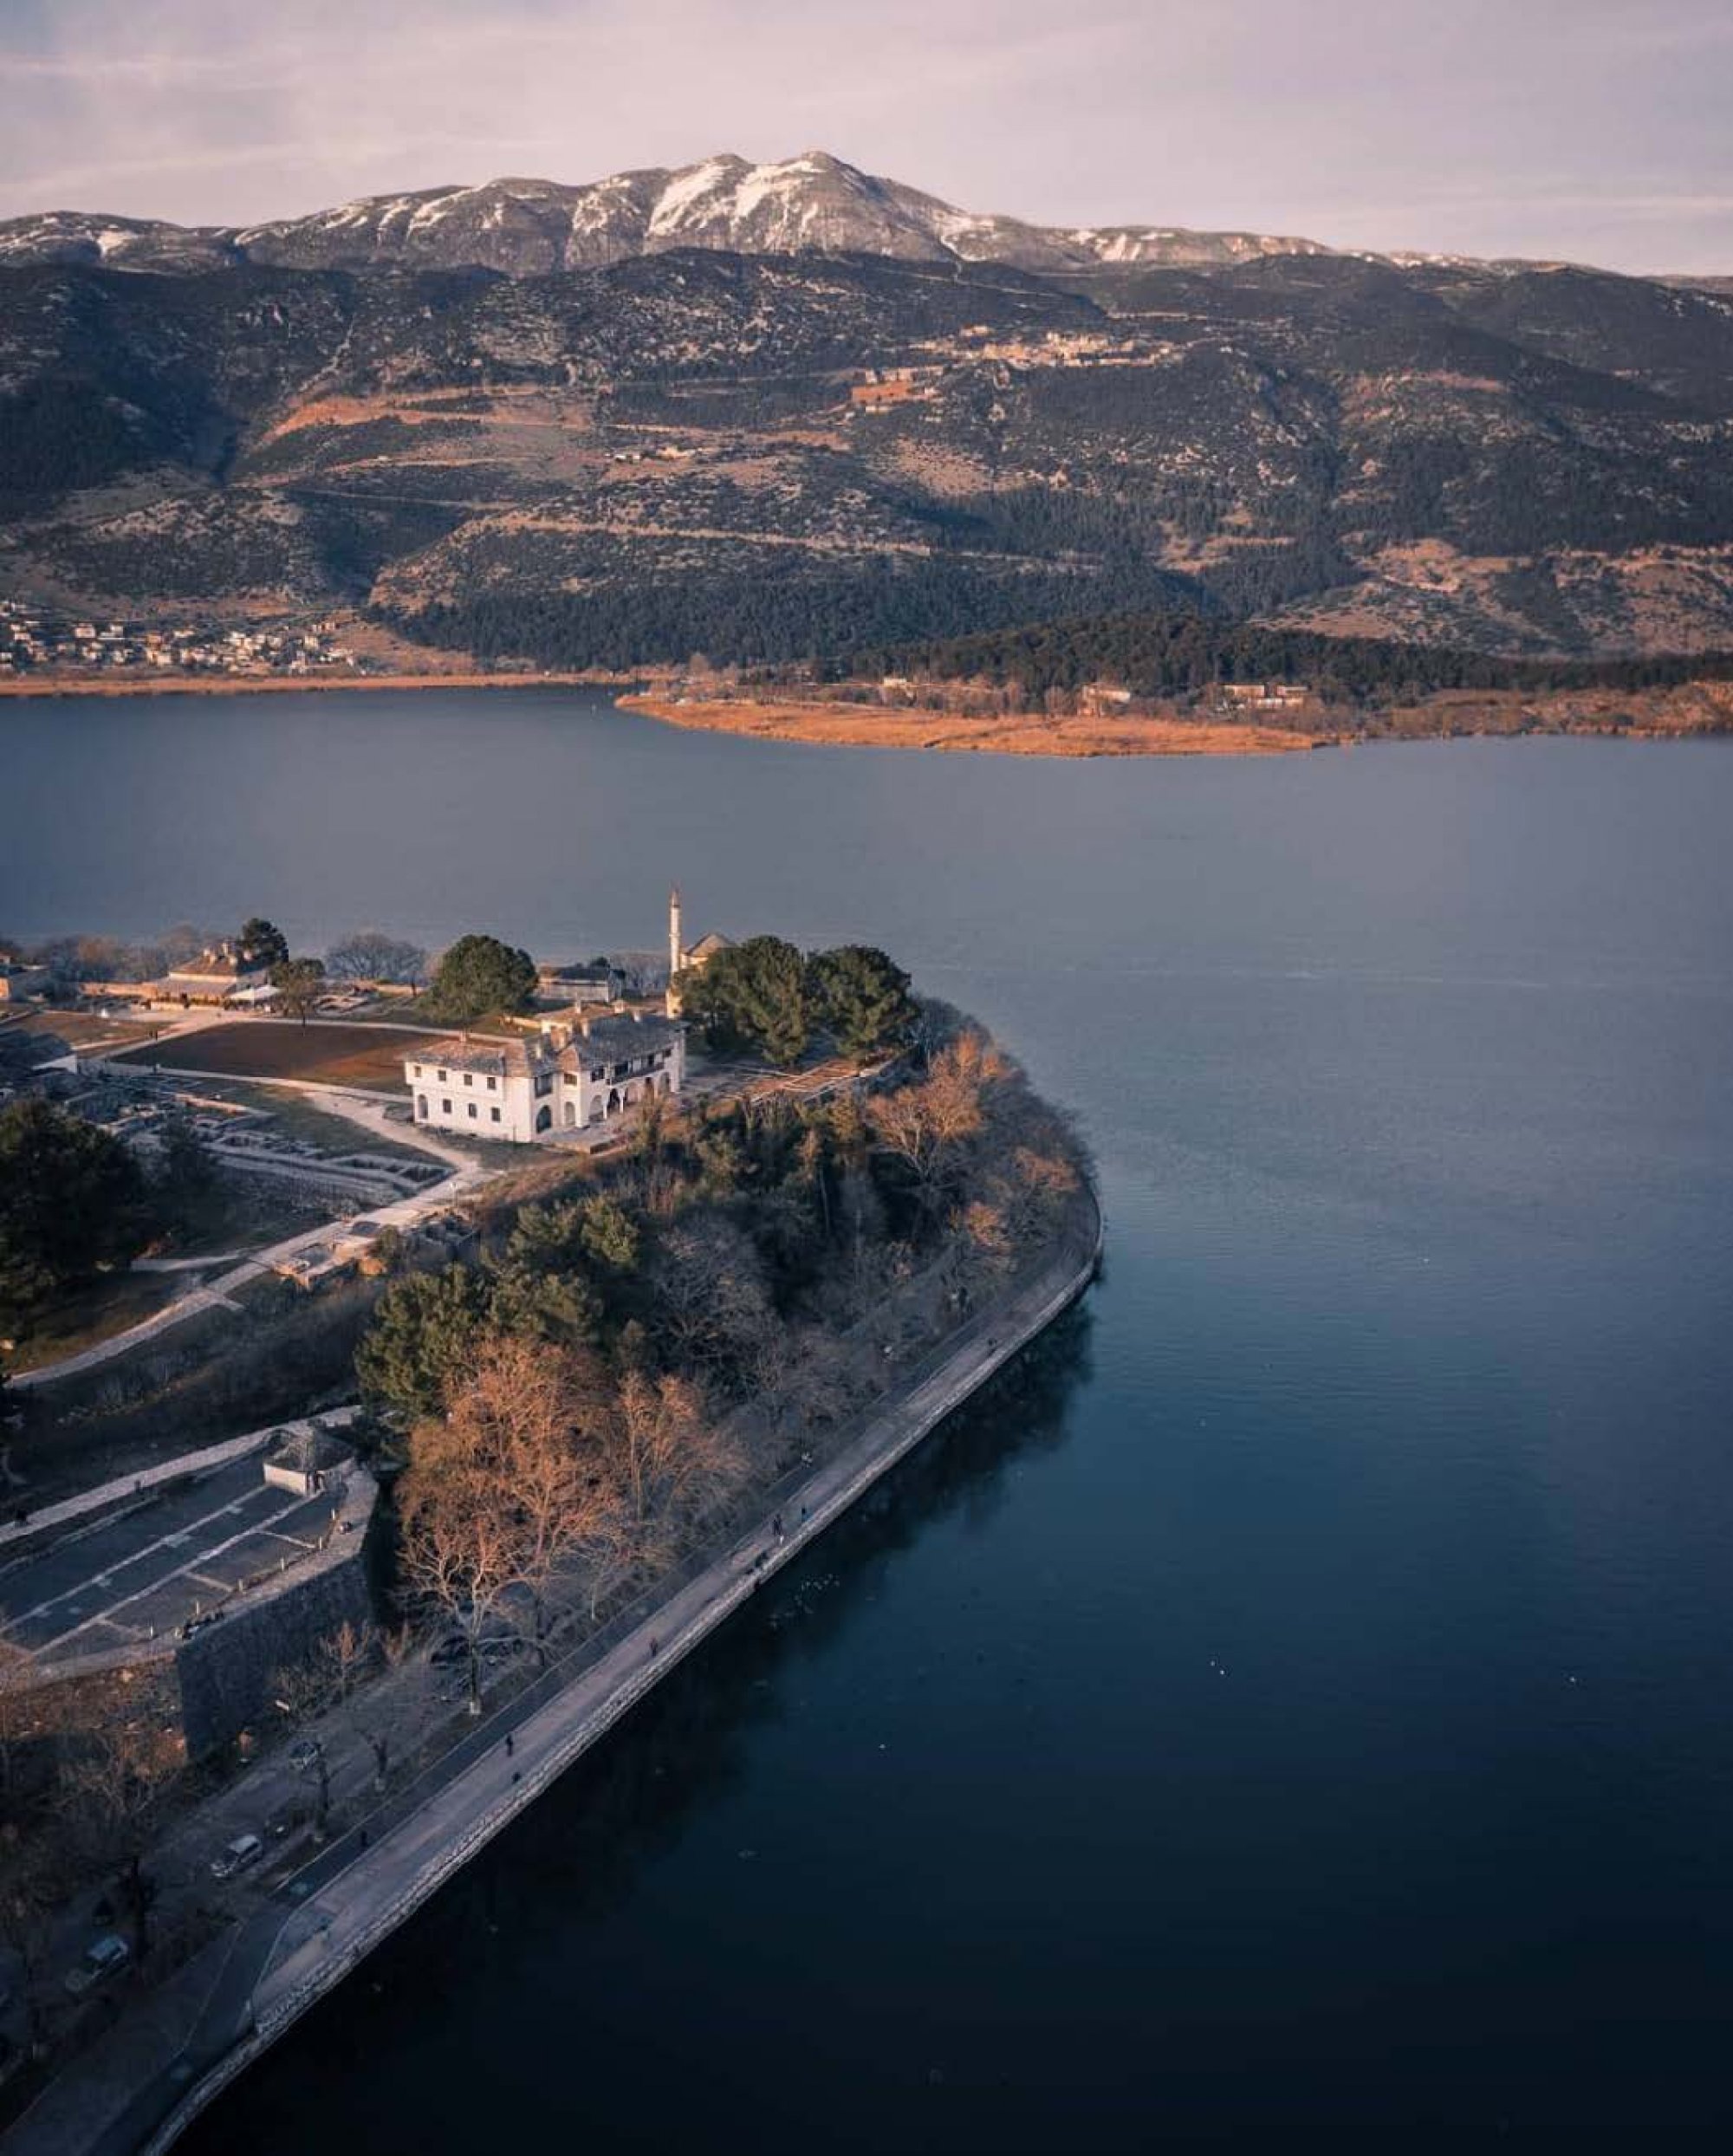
[(228, 1671)]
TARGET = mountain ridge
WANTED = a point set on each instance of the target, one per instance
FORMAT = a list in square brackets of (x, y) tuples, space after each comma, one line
[(813, 203)]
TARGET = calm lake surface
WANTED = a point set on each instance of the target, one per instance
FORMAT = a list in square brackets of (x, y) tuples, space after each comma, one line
[(1295, 1709)]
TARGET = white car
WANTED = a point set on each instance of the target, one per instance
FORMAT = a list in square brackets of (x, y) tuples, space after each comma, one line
[(245, 1849), (103, 1958)]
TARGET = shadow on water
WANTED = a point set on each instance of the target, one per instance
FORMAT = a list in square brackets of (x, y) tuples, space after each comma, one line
[(580, 1853)]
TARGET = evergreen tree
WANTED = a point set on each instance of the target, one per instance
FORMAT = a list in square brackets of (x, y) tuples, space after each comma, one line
[(756, 994), (480, 974), (425, 1334), (863, 999), (72, 1202), (262, 943)]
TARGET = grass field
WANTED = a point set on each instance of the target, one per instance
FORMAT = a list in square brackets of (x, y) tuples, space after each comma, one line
[(325, 1055)]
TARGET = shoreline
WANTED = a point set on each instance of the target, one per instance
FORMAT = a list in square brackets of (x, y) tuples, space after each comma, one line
[(1700, 711), (949, 733), (67, 687), (278, 1963)]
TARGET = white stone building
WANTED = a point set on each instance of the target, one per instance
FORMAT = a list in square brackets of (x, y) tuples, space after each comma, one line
[(573, 1075)]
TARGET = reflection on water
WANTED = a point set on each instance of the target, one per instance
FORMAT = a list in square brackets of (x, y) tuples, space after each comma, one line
[(1326, 1743), (577, 1856)]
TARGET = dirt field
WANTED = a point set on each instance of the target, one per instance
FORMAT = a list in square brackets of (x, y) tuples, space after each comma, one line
[(329, 1055)]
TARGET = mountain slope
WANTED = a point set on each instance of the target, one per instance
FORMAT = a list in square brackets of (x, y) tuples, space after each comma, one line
[(790, 454), (529, 227)]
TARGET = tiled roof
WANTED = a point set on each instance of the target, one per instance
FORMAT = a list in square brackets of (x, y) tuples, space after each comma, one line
[(499, 1059), (614, 1040)]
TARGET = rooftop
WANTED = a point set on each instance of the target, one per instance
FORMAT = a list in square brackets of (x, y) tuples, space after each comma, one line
[(479, 1052), (618, 1038)]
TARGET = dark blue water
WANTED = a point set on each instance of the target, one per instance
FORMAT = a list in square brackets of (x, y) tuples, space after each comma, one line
[(1295, 1711)]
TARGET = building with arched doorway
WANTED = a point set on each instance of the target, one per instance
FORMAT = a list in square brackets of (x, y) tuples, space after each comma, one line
[(575, 1074)]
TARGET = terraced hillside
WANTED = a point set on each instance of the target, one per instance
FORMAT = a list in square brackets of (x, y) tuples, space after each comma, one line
[(779, 456)]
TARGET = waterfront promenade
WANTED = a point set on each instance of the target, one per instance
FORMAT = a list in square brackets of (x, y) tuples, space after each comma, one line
[(245, 1990)]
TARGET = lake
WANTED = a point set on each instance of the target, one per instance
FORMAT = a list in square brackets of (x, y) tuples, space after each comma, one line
[(1291, 1709)]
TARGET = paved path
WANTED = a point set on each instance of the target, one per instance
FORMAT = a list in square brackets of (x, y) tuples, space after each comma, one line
[(369, 1113)]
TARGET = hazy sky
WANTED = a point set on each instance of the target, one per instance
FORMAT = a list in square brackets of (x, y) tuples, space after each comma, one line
[(1597, 129)]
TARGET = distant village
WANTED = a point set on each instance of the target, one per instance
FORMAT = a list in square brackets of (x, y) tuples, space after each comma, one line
[(32, 640)]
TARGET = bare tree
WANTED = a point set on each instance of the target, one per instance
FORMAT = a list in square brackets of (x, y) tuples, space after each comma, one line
[(459, 1551), (672, 1462), (504, 1493), (926, 1124), (529, 1426), (711, 1295), (117, 1782)]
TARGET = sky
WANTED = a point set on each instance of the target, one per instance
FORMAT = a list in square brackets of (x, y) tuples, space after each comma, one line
[(1593, 130)]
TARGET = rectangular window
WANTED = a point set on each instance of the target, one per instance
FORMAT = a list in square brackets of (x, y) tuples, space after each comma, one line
[(493, 1085), (416, 1068), (469, 1078), (495, 1114), (472, 1111), (442, 1077), (446, 1108)]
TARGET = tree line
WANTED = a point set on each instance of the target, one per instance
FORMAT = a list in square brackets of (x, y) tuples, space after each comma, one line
[(766, 996), (1168, 654)]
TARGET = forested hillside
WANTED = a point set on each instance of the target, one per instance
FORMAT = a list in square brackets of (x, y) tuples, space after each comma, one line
[(805, 457)]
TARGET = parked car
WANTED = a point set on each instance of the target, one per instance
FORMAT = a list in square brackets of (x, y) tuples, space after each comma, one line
[(245, 1849), (303, 1752), (103, 1958)]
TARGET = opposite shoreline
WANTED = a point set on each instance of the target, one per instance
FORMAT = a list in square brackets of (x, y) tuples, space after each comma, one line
[(275, 1966), (1015, 733), (66, 688)]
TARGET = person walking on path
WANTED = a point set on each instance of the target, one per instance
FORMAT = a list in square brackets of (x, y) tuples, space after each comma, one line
[(510, 1743)]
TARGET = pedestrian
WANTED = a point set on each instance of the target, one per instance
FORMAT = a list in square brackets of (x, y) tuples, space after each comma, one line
[(516, 1776), (654, 1644), (510, 1743), (364, 1837)]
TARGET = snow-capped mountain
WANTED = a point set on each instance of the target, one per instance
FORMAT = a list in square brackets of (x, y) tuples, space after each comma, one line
[(529, 227)]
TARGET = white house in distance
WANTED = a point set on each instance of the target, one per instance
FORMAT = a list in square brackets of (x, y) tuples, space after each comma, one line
[(573, 1075), (220, 974)]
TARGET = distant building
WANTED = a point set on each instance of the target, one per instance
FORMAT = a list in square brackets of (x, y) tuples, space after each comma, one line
[(1266, 696), (216, 976), (587, 985), (18, 981), (571, 1076)]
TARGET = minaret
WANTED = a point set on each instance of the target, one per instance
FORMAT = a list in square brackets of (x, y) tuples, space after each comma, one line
[(676, 957)]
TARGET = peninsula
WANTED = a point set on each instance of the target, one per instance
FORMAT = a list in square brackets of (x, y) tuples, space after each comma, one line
[(655, 1278)]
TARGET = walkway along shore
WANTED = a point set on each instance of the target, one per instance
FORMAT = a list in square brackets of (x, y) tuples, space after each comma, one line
[(278, 1963)]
